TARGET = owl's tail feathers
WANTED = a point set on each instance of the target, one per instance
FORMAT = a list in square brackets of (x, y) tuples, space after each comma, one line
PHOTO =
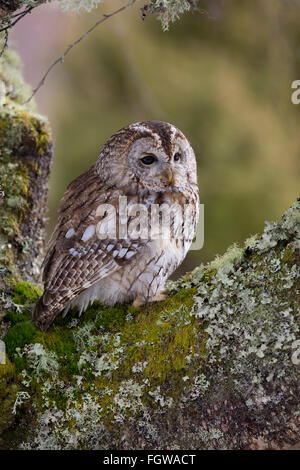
[(43, 315)]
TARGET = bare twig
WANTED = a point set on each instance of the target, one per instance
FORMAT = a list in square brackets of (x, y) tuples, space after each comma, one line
[(83, 36)]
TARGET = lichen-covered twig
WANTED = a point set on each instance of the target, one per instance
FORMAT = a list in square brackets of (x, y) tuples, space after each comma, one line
[(73, 44)]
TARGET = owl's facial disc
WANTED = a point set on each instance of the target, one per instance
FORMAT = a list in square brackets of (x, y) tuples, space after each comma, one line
[(154, 169)]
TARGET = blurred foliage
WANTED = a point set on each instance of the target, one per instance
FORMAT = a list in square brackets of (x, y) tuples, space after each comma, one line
[(222, 75)]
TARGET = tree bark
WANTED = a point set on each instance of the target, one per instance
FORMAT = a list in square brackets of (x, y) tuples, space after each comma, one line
[(25, 160)]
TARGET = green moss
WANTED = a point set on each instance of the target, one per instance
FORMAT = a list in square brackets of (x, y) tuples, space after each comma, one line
[(25, 293), (6, 370), (7, 398), (160, 341), (19, 335), (13, 318)]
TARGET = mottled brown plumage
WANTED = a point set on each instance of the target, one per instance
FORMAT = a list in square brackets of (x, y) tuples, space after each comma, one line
[(80, 266)]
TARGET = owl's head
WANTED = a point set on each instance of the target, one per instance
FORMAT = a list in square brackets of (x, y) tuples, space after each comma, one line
[(154, 155)]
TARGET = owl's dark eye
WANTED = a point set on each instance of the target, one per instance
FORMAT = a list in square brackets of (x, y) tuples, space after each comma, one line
[(177, 157), (148, 159)]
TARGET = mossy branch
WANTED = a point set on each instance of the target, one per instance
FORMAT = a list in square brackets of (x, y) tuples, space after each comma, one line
[(216, 365)]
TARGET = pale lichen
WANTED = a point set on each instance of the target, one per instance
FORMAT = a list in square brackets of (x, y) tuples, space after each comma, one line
[(167, 11), (77, 5)]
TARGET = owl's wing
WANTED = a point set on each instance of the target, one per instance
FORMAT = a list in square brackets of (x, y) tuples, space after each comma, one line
[(76, 257)]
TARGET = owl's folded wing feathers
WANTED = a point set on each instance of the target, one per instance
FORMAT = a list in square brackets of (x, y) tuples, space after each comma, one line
[(76, 257)]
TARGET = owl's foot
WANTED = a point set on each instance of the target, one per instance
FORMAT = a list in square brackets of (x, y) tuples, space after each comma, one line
[(162, 295), (139, 301)]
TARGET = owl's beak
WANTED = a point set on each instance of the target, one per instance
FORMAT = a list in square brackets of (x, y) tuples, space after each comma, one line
[(170, 176)]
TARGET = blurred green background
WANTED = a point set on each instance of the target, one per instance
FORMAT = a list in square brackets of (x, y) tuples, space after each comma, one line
[(223, 77)]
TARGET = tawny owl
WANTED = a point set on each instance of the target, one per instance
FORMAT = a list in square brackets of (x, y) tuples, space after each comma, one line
[(110, 240)]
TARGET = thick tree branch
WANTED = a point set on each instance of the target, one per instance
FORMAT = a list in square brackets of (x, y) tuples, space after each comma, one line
[(25, 160)]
